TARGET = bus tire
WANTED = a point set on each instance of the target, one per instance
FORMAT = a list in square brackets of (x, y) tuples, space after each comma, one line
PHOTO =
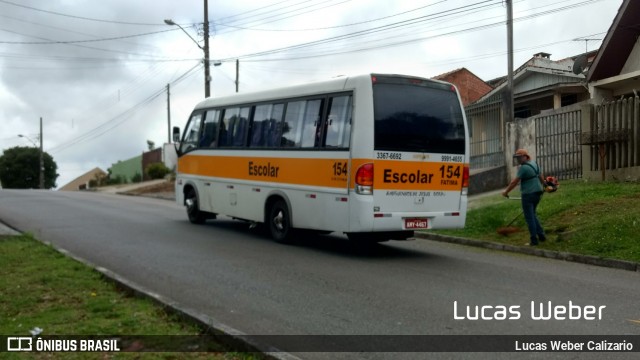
[(193, 210), (279, 220)]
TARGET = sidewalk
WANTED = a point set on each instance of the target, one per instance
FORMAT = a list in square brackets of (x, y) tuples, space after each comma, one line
[(124, 188), (152, 189)]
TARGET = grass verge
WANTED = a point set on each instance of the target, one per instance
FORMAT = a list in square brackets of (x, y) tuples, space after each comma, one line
[(582, 217), (40, 287)]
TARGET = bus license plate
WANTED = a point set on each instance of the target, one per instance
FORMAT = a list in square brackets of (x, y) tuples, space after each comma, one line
[(415, 223)]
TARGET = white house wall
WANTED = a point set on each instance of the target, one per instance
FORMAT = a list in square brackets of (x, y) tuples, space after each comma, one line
[(169, 156), (539, 80), (633, 62)]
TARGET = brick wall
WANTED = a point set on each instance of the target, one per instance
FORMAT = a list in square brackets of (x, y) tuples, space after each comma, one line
[(470, 86), (150, 157)]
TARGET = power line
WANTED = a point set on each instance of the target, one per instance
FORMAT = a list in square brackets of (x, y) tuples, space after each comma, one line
[(386, 28), (404, 24), (281, 14), (121, 118), (337, 26), (52, 42), (253, 10), (67, 31), (78, 17), (287, 8)]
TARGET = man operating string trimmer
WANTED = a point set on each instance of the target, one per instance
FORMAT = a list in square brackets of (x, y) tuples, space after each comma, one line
[(532, 186)]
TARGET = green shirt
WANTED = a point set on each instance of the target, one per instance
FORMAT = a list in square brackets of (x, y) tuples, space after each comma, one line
[(529, 178)]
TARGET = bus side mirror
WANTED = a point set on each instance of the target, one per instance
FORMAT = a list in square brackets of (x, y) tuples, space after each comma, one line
[(176, 134)]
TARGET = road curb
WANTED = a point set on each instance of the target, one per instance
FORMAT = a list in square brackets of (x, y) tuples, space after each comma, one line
[(224, 334), (551, 254), (6, 230)]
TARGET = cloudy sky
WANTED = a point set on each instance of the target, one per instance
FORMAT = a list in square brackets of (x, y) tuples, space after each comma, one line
[(97, 71)]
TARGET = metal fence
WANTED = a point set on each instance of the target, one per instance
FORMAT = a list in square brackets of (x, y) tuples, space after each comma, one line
[(487, 133), (613, 136), (558, 151), (615, 130)]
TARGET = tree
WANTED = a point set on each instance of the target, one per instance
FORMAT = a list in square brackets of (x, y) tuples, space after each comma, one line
[(19, 169)]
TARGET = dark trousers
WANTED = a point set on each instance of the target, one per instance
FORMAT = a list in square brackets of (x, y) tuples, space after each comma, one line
[(529, 205)]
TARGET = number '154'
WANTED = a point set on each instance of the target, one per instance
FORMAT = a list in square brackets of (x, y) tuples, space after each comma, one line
[(450, 171), (339, 168)]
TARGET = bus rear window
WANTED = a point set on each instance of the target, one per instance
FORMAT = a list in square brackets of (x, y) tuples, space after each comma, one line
[(417, 118)]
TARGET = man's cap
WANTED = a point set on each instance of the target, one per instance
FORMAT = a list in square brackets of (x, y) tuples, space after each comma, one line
[(521, 152)]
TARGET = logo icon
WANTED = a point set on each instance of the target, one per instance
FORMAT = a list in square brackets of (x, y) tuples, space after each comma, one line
[(19, 343)]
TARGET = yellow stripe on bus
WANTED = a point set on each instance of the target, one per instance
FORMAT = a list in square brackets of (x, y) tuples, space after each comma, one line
[(311, 172), (388, 174)]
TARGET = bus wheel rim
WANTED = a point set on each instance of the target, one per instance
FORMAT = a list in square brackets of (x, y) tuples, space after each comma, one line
[(191, 204), (278, 220)]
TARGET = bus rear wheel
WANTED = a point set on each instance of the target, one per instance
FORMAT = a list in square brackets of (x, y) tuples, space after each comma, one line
[(279, 221), (193, 210)]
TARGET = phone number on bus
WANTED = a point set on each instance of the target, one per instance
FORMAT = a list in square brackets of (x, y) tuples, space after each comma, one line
[(388, 156), (450, 158)]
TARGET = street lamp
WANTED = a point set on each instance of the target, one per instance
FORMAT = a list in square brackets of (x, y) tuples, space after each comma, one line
[(41, 167), (28, 139), (205, 48)]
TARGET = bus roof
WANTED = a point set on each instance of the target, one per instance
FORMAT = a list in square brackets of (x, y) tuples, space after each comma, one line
[(332, 85), (312, 88)]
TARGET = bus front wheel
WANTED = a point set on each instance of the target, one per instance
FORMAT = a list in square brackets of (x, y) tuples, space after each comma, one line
[(279, 221), (193, 210)]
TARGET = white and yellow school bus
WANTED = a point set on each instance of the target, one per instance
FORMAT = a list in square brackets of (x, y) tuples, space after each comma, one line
[(373, 156)]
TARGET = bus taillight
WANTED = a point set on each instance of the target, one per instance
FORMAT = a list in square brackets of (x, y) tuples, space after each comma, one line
[(465, 180), (364, 179)]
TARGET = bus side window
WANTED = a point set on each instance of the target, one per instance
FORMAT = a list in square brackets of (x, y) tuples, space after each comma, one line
[(192, 133), (292, 126), (228, 126), (275, 126), (265, 131), (241, 128), (312, 128), (260, 126), (210, 129), (338, 126)]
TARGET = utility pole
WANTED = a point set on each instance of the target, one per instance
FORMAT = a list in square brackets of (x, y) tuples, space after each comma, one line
[(509, 90), (237, 74), (168, 115), (41, 158), (207, 76)]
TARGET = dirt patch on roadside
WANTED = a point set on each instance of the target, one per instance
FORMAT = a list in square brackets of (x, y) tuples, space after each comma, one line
[(164, 187)]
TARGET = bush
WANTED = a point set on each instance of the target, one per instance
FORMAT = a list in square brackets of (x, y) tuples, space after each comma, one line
[(157, 171), (136, 178), (117, 180)]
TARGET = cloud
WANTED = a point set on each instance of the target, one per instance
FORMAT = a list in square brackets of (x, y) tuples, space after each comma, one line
[(102, 100)]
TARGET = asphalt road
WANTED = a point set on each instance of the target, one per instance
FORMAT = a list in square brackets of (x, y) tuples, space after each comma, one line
[(323, 285)]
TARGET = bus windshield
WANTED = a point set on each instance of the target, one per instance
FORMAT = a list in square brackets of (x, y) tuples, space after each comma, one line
[(417, 117)]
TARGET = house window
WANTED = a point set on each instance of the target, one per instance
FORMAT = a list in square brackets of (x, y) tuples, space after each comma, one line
[(568, 99), (522, 112)]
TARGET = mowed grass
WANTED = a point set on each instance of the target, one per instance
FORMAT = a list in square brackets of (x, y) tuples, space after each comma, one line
[(40, 287), (591, 218)]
